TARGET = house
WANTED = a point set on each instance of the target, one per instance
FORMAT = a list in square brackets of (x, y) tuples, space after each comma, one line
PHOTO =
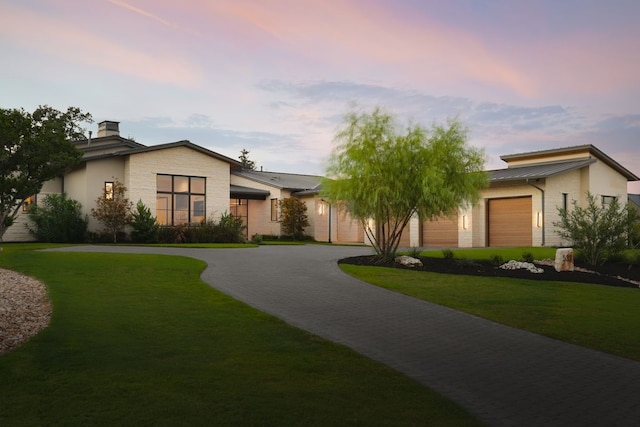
[(521, 203), (183, 183)]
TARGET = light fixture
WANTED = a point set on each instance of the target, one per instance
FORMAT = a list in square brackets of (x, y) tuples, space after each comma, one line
[(321, 208), (539, 219), (464, 222)]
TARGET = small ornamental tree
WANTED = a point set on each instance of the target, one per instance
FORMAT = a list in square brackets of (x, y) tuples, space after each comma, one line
[(145, 226), (113, 209), (600, 232), (293, 217), (58, 219), (384, 174)]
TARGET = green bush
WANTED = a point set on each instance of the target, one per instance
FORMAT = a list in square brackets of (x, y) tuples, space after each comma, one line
[(447, 254), (58, 220), (601, 232), (145, 226), (228, 229), (257, 239), (527, 257), (293, 217), (496, 259)]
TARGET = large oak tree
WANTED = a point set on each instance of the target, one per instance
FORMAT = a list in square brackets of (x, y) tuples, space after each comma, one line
[(384, 175), (34, 148)]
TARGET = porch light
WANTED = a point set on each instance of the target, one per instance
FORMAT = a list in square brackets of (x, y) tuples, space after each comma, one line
[(539, 219), (464, 222), (321, 208)]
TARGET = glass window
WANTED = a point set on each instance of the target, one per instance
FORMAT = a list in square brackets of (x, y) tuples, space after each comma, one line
[(108, 190), (180, 199), (197, 185), (180, 184), (28, 202), (607, 199), (163, 183)]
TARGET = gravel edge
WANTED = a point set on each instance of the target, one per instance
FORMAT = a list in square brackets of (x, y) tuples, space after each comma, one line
[(25, 309)]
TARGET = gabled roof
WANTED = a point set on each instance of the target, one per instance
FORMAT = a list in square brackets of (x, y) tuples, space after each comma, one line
[(284, 181), (125, 147), (188, 144), (537, 171), (588, 149)]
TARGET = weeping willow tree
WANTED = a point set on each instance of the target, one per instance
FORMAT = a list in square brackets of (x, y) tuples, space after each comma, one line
[(384, 174)]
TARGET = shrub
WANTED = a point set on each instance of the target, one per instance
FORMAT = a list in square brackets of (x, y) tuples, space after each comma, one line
[(113, 209), (257, 239), (600, 232), (58, 220), (293, 217), (145, 226), (527, 257), (447, 254), (496, 259), (230, 229), (414, 252)]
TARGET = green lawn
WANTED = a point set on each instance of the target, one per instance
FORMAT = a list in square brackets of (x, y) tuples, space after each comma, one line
[(600, 317), (140, 340)]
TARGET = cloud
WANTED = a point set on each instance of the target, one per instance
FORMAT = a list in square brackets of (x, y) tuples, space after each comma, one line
[(83, 47), (142, 12)]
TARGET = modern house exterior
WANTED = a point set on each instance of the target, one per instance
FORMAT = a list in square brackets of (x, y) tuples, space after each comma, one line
[(184, 183)]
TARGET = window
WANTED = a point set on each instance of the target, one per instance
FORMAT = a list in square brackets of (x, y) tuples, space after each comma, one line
[(606, 200), (28, 202), (180, 199), (274, 209), (240, 208), (108, 190), (565, 201)]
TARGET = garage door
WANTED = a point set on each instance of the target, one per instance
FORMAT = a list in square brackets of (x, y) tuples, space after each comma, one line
[(510, 222), (440, 232)]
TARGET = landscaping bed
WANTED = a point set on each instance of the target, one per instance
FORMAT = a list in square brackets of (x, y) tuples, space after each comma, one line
[(612, 274)]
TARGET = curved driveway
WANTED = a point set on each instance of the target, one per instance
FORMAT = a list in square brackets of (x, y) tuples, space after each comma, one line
[(504, 376)]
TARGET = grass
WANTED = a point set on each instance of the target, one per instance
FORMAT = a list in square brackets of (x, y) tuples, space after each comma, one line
[(599, 317), (141, 340)]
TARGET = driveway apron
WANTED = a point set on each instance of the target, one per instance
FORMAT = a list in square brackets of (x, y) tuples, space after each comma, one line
[(505, 376)]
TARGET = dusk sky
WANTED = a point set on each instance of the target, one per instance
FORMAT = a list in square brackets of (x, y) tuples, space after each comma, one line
[(277, 76)]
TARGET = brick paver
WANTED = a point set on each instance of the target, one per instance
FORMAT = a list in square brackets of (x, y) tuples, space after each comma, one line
[(505, 376)]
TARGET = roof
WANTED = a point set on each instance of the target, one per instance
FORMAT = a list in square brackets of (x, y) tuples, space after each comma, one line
[(588, 148), (239, 192), (188, 144), (286, 181), (537, 171)]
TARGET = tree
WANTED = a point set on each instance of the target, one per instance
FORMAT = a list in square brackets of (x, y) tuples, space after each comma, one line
[(145, 226), (246, 162), (600, 231), (34, 148), (387, 176), (58, 219), (293, 217), (113, 209)]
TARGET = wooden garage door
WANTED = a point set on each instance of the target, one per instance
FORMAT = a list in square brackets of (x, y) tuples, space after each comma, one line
[(510, 222), (441, 232)]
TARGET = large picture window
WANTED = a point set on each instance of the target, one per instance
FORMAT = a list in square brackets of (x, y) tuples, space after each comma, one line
[(180, 199)]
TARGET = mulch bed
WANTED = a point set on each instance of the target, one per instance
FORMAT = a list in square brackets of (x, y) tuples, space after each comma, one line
[(605, 275)]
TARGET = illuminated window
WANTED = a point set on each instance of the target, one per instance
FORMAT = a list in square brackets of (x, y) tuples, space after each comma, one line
[(28, 202), (108, 190), (180, 199)]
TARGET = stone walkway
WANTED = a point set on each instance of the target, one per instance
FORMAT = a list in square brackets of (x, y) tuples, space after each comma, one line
[(505, 376)]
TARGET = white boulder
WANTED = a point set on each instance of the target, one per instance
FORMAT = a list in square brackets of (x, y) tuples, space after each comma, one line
[(408, 261)]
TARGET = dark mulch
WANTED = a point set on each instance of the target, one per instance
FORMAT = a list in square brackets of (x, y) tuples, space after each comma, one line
[(605, 275)]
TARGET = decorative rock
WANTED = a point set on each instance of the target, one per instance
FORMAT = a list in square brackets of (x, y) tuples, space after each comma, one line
[(516, 265), (408, 261), (564, 259)]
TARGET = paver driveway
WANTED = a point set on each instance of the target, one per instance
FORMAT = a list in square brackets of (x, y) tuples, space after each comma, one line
[(503, 375)]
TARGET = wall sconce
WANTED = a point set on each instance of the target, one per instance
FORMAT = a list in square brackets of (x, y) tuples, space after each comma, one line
[(539, 219), (464, 222), (321, 208)]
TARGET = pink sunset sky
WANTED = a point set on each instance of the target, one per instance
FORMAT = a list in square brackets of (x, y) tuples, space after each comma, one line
[(276, 77)]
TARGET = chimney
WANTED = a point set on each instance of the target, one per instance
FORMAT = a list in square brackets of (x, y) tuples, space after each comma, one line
[(108, 128)]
